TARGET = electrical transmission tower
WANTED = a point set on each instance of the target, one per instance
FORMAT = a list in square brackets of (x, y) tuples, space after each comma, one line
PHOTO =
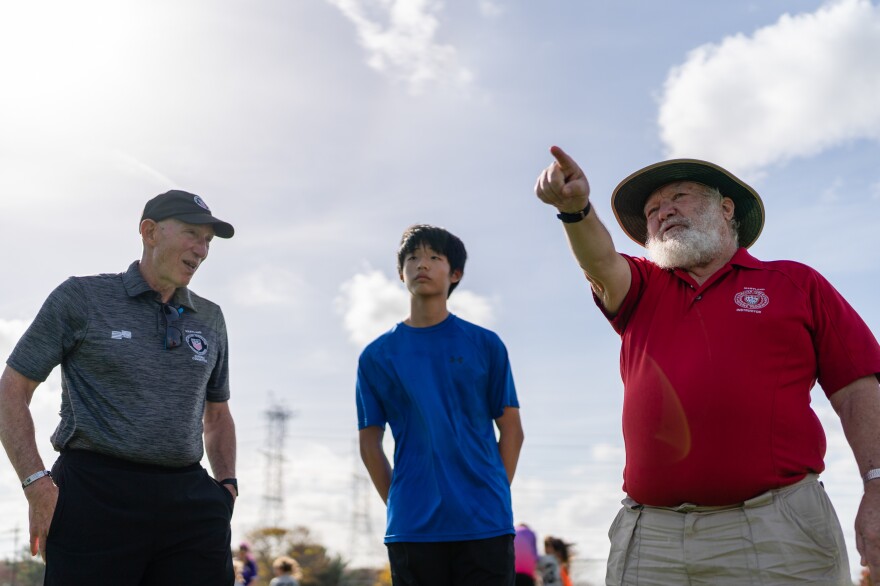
[(362, 537), (273, 499)]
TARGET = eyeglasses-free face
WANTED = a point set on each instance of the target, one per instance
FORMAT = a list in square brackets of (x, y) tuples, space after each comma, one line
[(173, 335)]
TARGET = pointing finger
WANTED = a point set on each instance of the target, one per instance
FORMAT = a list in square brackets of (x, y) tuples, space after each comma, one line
[(568, 166)]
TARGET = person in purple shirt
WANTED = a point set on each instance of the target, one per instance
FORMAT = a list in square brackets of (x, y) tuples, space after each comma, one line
[(525, 546)]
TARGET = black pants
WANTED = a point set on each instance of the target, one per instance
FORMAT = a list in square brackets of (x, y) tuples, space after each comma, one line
[(481, 562), (118, 523)]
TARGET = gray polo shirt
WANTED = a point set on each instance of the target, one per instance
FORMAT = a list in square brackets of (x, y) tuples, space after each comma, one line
[(123, 394)]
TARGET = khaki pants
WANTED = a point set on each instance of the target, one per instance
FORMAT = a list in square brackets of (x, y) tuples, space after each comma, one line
[(786, 536)]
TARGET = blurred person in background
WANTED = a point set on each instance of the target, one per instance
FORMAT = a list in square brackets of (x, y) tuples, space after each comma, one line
[(525, 546), (287, 572)]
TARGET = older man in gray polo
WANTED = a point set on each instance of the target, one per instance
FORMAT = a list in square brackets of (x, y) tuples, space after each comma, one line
[(145, 384), (719, 353)]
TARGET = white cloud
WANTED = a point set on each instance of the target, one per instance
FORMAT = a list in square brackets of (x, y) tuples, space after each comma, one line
[(831, 194), (472, 307), (132, 165), (267, 286), (792, 89), (605, 452), (491, 9), (398, 36), (370, 303), (10, 332)]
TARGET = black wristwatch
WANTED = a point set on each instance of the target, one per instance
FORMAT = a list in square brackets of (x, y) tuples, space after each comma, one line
[(233, 482), (573, 218)]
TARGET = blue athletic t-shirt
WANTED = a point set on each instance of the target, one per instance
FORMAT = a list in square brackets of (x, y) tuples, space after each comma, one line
[(440, 388)]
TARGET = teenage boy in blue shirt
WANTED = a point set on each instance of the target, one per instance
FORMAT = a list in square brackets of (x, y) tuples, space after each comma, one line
[(441, 382)]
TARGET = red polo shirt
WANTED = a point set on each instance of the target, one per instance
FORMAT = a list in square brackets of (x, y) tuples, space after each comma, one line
[(717, 377)]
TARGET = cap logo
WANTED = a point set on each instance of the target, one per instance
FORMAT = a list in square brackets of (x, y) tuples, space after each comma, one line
[(201, 203), (751, 300)]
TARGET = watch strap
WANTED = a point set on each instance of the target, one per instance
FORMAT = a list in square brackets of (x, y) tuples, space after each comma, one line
[(233, 482), (572, 218)]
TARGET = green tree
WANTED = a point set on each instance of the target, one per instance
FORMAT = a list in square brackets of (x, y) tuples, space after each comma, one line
[(23, 571), (319, 568), (367, 577)]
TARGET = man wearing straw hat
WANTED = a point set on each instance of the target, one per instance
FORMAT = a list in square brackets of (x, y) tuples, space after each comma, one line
[(719, 353)]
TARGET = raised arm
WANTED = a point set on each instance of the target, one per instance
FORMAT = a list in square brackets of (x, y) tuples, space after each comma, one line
[(564, 186), (858, 405), (378, 466), (19, 439)]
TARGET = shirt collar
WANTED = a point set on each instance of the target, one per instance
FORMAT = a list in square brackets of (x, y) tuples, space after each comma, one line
[(742, 258), (135, 285)]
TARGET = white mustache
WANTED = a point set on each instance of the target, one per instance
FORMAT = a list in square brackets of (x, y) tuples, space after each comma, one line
[(671, 223)]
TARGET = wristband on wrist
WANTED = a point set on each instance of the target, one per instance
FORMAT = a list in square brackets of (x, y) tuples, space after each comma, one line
[(871, 475), (572, 218), (34, 477), (233, 482)]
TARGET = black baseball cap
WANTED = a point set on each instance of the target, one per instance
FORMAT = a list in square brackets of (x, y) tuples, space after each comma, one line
[(186, 207)]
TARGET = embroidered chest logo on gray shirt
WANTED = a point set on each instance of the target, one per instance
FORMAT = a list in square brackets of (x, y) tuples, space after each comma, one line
[(198, 344), (120, 334)]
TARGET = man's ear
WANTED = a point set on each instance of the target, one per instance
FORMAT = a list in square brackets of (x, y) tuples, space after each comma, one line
[(727, 207), (456, 275), (149, 231)]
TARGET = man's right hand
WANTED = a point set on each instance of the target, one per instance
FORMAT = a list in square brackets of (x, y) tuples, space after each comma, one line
[(563, 184), (42, 498)]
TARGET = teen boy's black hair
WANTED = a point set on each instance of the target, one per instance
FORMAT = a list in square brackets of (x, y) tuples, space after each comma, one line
[(437, 239)]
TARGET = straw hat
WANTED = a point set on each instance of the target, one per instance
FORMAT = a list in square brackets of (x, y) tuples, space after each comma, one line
[(628, 199)]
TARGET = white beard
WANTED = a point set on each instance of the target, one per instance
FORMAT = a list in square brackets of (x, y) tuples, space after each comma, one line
[(696, 244)]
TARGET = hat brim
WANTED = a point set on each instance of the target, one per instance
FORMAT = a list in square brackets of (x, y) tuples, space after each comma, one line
[(628, 199), (221, 228)]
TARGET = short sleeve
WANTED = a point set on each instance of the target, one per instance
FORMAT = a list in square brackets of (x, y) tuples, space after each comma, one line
[(218, 384), (639, 270), (846, 350), (56, 331), (502, 389), (369, 407)]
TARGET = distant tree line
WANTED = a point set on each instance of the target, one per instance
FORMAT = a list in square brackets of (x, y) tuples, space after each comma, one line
[(23, 571), (318, 568)]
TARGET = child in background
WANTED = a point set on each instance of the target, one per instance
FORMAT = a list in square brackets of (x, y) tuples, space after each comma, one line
[(287, 572), (553, 546)]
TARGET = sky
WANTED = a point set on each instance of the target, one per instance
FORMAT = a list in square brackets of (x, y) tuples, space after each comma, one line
[(321, 129)]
